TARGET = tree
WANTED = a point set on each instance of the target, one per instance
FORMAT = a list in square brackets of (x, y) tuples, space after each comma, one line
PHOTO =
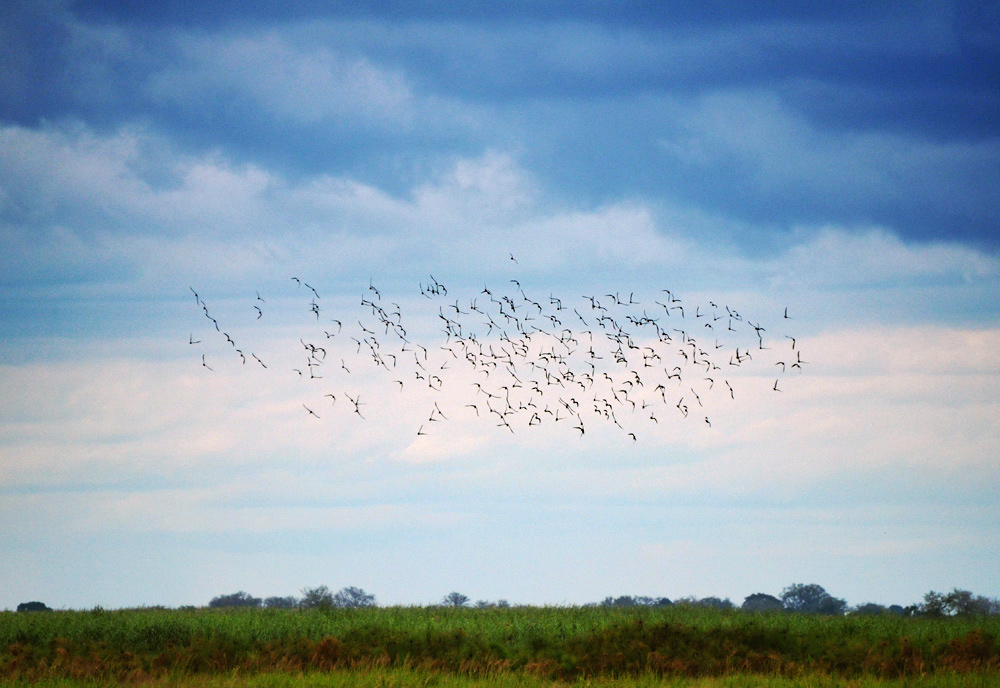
[(289, 602), (33, 607), (812, 599), (236, 599), (316, 598), (621, 601), (455, 599), (638, 601), (964, 603), (353, 598), (958, 603), (870, 609), (715, 603), (762, 602)]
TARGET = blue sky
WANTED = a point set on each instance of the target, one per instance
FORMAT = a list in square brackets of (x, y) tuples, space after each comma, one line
[(838, 161)]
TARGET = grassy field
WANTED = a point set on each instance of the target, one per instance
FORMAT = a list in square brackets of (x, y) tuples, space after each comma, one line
[(405, 678), (678, 646)]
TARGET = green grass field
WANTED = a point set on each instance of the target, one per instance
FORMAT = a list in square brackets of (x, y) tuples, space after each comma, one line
[(677, 646), (405, 678)]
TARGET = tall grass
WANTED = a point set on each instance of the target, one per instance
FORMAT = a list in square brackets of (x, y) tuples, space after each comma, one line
[(552, 642), (406, 678)]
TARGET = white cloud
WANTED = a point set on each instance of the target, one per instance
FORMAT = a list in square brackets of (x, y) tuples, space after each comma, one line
[(916, 404), (836, 258), (124, 198), (121, 202), (125, 183)]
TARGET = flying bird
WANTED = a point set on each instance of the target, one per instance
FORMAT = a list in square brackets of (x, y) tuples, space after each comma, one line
[(529, 359)]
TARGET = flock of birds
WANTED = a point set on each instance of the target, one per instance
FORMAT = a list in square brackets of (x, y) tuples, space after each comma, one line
[(521, 361)]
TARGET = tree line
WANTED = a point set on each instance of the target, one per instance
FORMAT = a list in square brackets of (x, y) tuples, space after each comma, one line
[(802, 598), (814, 599), (796, 598), (312, 598)]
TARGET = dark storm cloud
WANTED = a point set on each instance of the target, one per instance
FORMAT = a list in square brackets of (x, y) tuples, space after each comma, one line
[(894, 109), (929, 67)]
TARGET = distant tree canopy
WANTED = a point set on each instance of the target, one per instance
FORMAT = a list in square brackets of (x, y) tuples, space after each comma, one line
[(316, 598), (713, 602), (762, 602), (958, 603), (236, 599), (289, 602), (353, 598), (347, 598), (812, 599), (486, 604), (455, 599), (33, 607), (635, 601), (870, 609)]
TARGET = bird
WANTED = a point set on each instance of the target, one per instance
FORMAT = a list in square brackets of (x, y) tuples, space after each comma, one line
[(528, 357)]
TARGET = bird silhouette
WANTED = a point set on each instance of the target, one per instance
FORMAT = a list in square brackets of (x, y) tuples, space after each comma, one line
[(524, 361)]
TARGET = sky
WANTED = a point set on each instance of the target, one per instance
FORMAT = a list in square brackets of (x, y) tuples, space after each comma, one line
[(774, 229)]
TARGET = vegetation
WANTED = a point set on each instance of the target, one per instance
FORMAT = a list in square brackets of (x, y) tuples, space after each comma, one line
[(33, 607), (762, 602), (419, 678), (237, 599), (564, 643), (812, 599)]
